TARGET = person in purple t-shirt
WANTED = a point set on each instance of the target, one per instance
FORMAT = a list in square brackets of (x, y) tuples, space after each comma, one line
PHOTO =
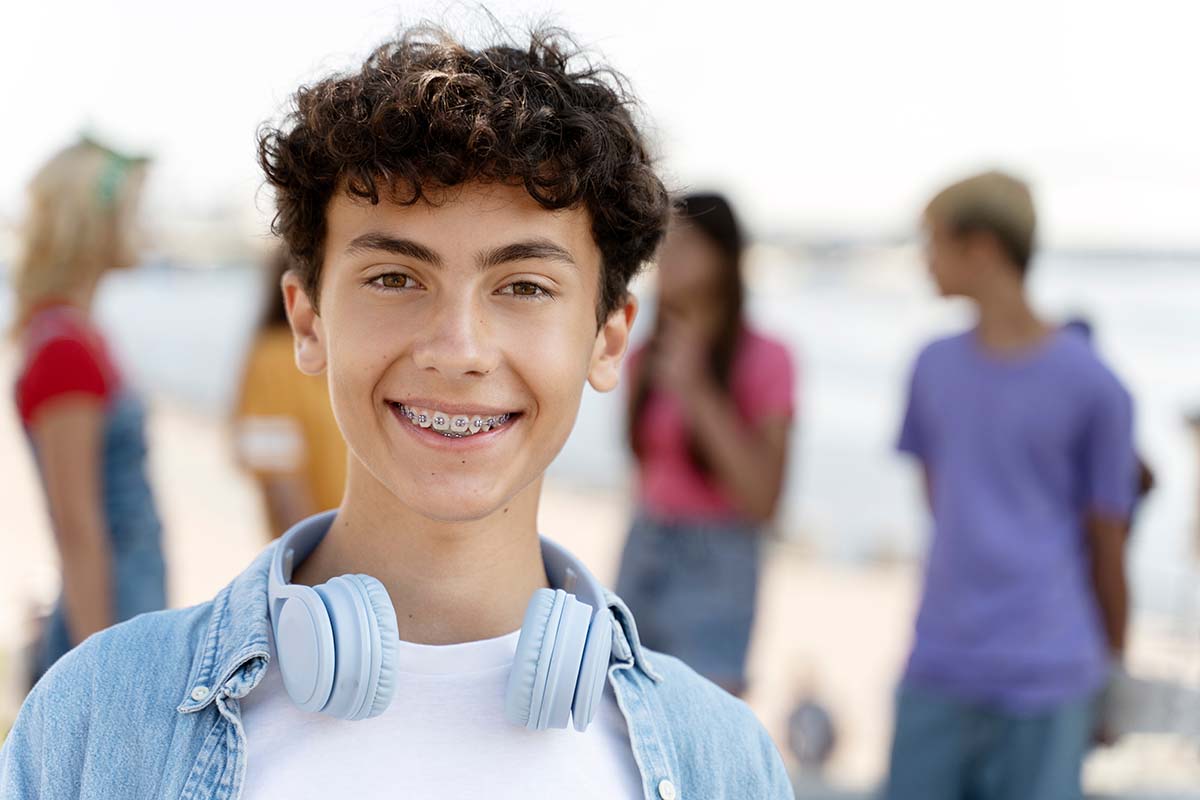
[(1025, 437)]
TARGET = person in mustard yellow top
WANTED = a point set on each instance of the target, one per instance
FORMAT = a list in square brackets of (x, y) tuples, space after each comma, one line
[(284, 430)]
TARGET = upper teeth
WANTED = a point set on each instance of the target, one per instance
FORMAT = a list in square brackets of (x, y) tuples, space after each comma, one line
[(454, 425)]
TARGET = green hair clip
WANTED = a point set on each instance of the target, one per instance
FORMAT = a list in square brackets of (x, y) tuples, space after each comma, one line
[(116, 168)]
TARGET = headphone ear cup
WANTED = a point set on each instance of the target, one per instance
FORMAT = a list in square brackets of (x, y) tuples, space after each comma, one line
[(565, 662), (593, 671), (388, 643), (527, 679), (304, 646), (352, 642)]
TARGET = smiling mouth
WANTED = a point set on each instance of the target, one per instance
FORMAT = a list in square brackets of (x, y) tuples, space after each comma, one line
[(453, 426)]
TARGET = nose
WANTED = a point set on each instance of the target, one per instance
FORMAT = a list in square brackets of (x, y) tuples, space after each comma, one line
[(455, 340)]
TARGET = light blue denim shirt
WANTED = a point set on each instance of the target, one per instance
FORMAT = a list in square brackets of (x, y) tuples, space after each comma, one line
[(151, 709)]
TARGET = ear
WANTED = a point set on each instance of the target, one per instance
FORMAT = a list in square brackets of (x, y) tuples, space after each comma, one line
[(307, 328), (982, 246), (604, 370)]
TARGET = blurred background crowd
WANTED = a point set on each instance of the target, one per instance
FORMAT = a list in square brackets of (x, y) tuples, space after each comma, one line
[(808, 143)]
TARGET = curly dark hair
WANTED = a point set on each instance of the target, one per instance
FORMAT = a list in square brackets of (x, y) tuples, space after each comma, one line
[(427, 111)]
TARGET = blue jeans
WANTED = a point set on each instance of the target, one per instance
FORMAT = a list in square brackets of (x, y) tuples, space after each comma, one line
[(135, 533), (944, 748), (692, 586)]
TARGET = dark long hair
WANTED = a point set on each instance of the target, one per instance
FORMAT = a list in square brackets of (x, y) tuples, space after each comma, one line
[(711, 215), (273, 313)]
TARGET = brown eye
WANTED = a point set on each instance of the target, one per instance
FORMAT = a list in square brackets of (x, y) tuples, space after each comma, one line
[(393, 280), (526, 289)]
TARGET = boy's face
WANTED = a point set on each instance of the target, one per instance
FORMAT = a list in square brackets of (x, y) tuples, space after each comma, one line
[(480, 305), (949, 260)]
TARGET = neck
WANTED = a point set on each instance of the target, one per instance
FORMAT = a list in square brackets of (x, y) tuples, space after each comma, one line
[(449, 581), (81, 295), (1006, 320)]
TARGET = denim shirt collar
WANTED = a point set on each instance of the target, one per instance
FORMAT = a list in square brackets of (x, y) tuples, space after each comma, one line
[(235, 650)]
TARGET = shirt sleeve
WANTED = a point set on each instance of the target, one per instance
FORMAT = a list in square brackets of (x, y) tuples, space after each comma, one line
[(1110, 467), (63, 366), (912, 433), (769, 388)]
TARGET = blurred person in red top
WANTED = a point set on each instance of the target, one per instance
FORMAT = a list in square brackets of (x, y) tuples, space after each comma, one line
[(84, 424), (710, 414)]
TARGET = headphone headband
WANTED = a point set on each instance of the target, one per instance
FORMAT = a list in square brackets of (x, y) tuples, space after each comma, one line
[(564, 678)]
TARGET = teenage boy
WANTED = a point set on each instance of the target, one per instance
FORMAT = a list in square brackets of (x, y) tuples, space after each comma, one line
[(1025, 437), (466, 224)]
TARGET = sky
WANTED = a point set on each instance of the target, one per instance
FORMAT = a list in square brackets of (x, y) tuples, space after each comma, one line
[(819, 119)]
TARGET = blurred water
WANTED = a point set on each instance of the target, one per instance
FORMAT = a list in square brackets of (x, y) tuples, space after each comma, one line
[(855, 325)]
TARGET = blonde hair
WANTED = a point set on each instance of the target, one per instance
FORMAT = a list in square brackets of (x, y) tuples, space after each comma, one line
[(81, 205), (994, 202)]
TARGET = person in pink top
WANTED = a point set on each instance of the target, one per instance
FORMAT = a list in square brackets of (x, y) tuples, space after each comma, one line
[(711, 407)]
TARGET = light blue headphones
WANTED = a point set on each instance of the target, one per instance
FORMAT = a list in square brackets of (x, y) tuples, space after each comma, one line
[(337, 642)]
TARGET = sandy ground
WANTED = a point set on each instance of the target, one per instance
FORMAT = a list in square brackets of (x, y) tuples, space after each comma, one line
[(840, 631)]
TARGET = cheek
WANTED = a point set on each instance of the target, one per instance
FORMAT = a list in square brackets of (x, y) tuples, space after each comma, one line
[(938, 265), (553, 368), (357, 357), (551, 365)]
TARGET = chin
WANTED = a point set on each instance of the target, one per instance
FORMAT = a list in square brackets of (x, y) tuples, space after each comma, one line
[(448, 504), (458, 512)]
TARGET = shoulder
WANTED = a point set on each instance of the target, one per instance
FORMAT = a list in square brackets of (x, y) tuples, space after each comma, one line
[(61, 355), (113, 695), (128, 669), (945, 347), (764, 377), (1077, 360), (164, 639), (722, 716), (762, 350), (56, 325), (715, 732), (941, 354)]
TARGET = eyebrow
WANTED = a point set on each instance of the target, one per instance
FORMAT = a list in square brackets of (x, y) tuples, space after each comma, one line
[(528, 250), (394, 245)]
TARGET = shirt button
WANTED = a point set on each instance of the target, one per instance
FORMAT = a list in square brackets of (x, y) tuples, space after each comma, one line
[(666, 790), (199, 693)]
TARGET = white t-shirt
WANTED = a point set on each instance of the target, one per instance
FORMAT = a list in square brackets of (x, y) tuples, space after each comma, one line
[(443, 736)]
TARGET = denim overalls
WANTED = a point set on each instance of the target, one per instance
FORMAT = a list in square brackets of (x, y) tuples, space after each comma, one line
[(131, 520)]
